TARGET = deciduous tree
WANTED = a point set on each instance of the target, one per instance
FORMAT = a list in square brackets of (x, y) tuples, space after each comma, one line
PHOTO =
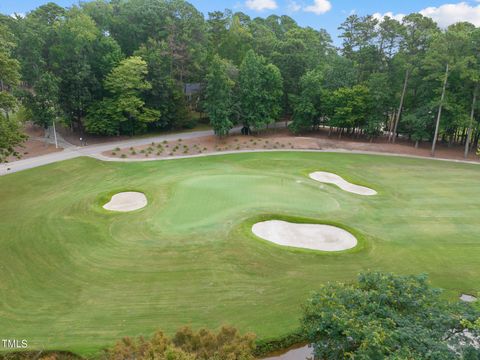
[(385, 316), (219, 97)]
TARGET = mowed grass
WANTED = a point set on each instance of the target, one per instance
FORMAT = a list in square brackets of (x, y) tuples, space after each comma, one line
[(76, 277)]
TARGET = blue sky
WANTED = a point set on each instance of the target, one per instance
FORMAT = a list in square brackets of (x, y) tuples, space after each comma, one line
[(327, 14)]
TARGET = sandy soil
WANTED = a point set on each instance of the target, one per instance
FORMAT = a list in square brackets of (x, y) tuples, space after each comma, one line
[(329, 178), (306, 236), (281, 139), (34, 146), (126, 201), (468, 298)]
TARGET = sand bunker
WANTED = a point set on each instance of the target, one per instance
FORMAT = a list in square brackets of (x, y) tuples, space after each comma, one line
[(306, 236), (330, 178), (126, 201), (468, 298)]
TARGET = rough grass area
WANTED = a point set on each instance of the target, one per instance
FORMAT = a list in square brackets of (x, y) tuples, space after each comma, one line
[(76, 277)]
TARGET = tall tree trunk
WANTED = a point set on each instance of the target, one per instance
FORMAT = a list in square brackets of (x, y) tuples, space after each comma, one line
[(391, 123), (470, 125), (400, 107), (437, 126)]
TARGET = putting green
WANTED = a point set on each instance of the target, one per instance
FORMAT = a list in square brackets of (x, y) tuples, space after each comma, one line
[(76, 277)]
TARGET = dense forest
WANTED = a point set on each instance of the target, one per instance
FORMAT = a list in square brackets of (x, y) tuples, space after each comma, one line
[(126, 67)]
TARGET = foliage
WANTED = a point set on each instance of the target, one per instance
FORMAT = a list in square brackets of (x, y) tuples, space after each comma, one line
[(219, 97), (186, 344), (9, 71), (349, 107), (268, 346), (10, 132), (260, 91), (124, 111), (42, 103), (10, 136), (386, 316), (166, 94), (401, 62), (310, 105)]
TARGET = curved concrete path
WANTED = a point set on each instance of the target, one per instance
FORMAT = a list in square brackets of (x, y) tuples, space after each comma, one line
[(95, 151)]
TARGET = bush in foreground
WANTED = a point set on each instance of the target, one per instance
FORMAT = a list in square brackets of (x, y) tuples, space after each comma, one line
[(226, 344), (385, 316)]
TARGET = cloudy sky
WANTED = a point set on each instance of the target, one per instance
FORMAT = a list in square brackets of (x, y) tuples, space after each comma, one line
[(327, 14)]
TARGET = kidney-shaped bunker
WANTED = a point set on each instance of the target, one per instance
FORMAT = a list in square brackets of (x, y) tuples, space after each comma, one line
[(306, 236)]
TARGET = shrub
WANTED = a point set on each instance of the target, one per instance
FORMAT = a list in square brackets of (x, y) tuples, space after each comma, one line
[(114, 153), (226, 344), (123, 156)]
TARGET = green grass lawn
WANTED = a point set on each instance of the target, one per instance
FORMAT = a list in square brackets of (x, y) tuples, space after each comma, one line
[(75, 277)]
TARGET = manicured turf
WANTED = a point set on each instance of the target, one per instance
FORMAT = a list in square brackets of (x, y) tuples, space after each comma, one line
[(75, 277)]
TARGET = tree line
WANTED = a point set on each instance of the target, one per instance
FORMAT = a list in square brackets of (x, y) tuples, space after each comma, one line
[(121, 67)]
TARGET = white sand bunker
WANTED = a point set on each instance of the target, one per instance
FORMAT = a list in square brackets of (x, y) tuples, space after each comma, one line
[(468, 298), (126, 201), (306, 236), (343, 184)]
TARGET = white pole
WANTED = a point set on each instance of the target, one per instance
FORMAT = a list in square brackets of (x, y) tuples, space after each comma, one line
[(55, 134)]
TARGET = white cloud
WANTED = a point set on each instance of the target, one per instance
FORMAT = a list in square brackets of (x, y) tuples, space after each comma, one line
[(390, 14), (260, 5), (319, 7), (293, 6), (449, 14), (445, 15)]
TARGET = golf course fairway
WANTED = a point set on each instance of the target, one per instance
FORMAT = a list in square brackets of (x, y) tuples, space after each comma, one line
[(76, 277)]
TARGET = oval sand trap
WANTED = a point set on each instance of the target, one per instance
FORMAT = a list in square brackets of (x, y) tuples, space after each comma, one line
[(468, 298), (306, 236), (126, 201), (343, 184)]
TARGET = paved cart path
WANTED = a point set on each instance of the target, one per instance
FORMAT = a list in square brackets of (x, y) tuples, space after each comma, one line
[(95, 151)]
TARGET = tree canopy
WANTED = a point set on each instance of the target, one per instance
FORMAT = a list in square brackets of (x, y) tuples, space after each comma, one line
[(386, 78), (385, 316)]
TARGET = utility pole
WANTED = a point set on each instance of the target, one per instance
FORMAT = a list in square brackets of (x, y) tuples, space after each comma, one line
[(437, 126)]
